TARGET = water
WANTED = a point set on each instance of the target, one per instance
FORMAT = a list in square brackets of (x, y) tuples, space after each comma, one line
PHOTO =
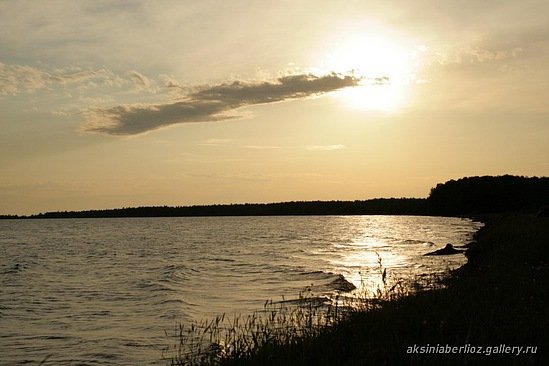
[(105, 291)]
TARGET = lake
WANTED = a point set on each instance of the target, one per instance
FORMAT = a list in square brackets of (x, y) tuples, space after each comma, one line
[(106, 291)]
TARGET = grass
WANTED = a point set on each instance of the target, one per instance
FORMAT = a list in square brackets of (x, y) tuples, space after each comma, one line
[(498, 298)]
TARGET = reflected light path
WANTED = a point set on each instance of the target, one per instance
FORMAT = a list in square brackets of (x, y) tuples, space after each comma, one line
[(394, 246)]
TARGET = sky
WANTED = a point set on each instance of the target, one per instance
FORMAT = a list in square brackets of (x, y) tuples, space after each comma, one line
[(107, 104)]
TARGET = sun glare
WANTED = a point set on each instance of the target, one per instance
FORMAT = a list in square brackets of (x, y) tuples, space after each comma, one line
[(386, 69), (387, 98)]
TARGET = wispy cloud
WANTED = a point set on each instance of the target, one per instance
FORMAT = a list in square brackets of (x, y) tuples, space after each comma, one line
[(215, 142), (142, 82), (212, 103), (307, 147), (477, 54), (262, 147), (16, 79), (325, 147)]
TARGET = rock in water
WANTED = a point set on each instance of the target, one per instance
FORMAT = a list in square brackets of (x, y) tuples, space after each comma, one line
[(447, 250)]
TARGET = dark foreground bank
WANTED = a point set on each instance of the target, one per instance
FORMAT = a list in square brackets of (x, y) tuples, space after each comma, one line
[(494, 310)]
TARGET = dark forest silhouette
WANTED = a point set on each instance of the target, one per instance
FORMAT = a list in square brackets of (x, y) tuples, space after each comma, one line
[(394, 206), (489, 194), (465, 196)]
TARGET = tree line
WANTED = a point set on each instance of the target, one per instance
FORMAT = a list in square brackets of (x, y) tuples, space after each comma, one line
[(489, 194), (393, 206), (465, 196)]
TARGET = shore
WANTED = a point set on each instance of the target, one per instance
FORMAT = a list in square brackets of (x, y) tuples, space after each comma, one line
[(493, 310)]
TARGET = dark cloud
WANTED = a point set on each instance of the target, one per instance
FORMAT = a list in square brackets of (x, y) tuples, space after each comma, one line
[(288, 87), (213, 103), (132, 120), (382, 80)]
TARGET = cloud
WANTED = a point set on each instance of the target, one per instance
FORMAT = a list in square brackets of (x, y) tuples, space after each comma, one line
[(287, 87), (381, 80), (77, 77), (262, 147), (212, 103), (215, 142), (17, 79), (135, 119), (325, 147), (308, 147), (478, 54), (141, 82)]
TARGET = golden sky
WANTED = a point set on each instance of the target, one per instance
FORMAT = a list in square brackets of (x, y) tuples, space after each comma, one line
[(108, 104)]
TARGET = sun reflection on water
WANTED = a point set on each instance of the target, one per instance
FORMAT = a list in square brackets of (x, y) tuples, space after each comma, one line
[(390, 250), (363, 262)]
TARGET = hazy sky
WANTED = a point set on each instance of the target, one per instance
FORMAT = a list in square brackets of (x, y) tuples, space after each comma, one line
[(108, 104)]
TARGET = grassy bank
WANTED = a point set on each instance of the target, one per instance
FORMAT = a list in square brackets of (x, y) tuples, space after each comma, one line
[(498, 300)]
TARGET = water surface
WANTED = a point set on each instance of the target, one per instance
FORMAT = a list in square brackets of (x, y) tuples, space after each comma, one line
[(105, 291)]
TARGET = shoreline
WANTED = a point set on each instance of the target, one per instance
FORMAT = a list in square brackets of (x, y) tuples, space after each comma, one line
[(492, 310)]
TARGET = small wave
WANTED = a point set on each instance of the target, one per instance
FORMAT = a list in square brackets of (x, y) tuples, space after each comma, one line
[(414, 241), (320, 275), (172, 301), (99, 357), (341, 284), (177, 273), (136, 344), (100, 313), (48, 337), (57, 337), (222, 260), (330, 280), (315, 300), (15, 268), (160, 286)]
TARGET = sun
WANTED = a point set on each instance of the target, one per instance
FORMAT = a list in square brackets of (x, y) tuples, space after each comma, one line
[(385, 66)]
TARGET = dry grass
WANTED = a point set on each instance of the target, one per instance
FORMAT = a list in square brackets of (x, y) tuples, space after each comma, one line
[(224, 340)]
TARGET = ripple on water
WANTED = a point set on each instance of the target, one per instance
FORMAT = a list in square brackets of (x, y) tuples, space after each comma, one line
[(105, 291)]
